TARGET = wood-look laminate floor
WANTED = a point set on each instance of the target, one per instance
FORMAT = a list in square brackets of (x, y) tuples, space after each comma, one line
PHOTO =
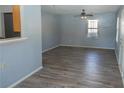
[(76, 68)]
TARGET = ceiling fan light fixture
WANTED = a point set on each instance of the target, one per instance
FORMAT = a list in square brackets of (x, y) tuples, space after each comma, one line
[(83, 17)]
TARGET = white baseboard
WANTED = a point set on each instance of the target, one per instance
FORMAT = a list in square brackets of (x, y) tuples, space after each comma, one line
[(74, 46), (50, 48), (86, 46), (117, 61), (25, 77), (116, 56)]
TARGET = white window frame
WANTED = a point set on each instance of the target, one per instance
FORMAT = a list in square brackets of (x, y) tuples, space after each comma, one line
[(92, 28)]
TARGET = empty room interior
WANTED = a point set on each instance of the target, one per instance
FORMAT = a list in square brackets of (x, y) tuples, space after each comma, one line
[(62, 46)]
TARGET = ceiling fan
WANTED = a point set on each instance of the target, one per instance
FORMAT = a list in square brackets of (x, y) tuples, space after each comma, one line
[(83, 15)]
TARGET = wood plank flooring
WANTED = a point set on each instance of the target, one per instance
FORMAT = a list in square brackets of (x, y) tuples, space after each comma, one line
[(69, 67)]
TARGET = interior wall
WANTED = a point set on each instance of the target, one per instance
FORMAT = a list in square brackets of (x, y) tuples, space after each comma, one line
[(23, 57), (3, 9), (118, 32), (0, 67), (120, 41), (50, 31), (74, 31)]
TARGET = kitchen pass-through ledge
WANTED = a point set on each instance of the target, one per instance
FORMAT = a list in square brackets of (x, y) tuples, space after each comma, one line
[(12, 40)]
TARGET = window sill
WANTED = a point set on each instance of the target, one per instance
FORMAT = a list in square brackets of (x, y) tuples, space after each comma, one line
[(12, 40)]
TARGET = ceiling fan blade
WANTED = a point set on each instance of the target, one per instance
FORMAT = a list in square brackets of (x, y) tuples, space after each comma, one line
[(77, 15), (89, 15)]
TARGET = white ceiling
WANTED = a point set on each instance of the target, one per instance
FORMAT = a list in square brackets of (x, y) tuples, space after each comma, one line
[(76, 9)]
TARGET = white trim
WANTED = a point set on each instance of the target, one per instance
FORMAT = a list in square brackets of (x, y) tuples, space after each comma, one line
[(25, 77), (118, 63), (50, 48), (86, 46), (116, 56)]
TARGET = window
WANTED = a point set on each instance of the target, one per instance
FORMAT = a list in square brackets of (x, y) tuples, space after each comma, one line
[(92, 28)]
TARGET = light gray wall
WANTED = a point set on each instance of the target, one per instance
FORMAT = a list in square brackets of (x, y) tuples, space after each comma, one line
[(120, 41), (74, 31), (118, 32), (0, 68), (50, 31), (21, 58)]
